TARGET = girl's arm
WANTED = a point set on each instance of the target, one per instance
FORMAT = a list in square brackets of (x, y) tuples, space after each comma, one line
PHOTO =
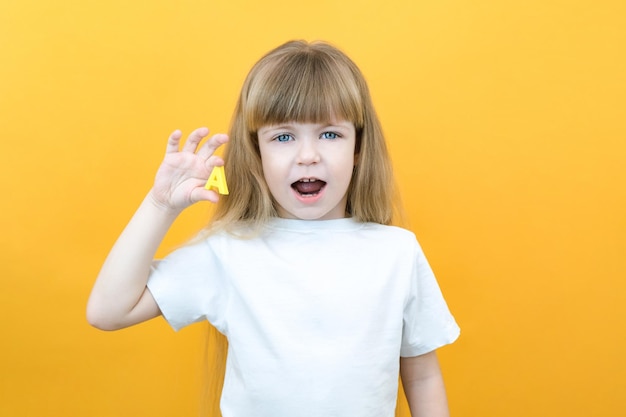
[(423, 386), (119, 297)]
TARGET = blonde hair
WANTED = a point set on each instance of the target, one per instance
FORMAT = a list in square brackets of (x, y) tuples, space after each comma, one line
[(307, 83)]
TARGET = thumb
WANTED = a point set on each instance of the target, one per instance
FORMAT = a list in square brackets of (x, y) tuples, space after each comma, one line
[(202, 194)]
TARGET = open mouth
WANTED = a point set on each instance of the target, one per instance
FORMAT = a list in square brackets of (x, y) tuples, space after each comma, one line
[(308, 187)]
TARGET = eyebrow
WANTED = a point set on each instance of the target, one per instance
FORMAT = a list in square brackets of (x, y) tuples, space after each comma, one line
[(340, 125), (266, 129)]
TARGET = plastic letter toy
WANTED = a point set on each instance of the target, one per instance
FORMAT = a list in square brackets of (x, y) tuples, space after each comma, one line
[(217, 179)]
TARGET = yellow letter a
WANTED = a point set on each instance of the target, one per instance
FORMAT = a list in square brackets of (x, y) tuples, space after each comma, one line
[(217, 179)]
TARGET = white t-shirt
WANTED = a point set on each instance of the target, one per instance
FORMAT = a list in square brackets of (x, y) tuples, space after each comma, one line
[(317, 314)]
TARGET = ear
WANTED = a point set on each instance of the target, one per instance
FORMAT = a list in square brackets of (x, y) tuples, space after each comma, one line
[(356, 159)]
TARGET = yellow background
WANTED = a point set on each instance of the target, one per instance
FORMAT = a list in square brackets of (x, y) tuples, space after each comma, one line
[(506, 122)]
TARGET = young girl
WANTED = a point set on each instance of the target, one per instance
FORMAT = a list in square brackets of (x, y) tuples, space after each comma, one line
[(321, 300)]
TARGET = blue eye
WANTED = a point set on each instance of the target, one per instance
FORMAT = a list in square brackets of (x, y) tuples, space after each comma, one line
[(284, 137), (329, 135)]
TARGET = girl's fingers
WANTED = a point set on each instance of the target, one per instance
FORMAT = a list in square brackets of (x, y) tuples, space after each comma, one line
[(200, 194), (214, 161), (194, 139), (173, 141), (212, 144)]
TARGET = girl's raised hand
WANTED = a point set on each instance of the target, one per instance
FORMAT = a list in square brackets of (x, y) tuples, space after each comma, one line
[(180, 180)]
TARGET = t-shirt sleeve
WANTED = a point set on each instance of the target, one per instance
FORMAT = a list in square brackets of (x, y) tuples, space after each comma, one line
[(188, 286), (428, 323)]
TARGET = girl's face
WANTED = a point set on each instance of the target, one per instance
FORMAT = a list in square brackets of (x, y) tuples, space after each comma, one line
[(308, 167)]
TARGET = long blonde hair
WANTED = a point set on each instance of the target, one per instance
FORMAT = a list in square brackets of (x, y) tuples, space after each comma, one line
[(308, 83)]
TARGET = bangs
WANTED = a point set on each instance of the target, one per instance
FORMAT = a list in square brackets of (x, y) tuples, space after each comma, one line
[(306, 87)]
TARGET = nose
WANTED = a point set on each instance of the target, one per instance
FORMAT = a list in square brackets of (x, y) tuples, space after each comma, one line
[(308, 151)]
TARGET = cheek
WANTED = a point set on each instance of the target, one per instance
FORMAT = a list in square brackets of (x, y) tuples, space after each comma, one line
[(266, 162), (271, 172), (347, 164)]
